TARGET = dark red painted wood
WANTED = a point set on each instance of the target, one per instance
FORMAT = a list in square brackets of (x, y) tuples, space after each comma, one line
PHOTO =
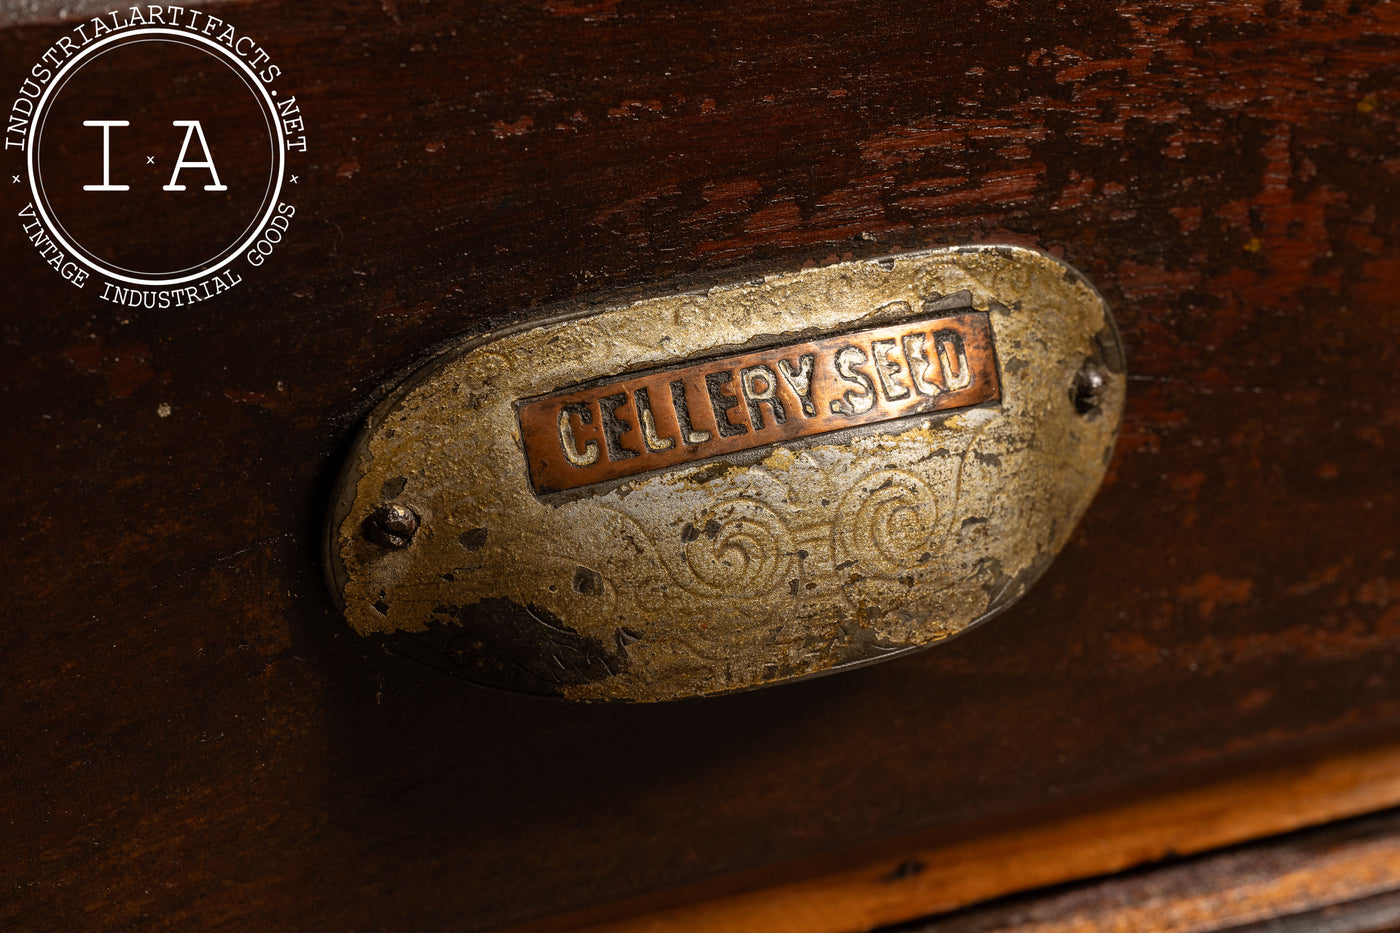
[(191, 737)]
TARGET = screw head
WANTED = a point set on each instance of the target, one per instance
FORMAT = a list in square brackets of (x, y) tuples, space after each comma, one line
[(392, 525), (1089, 385)]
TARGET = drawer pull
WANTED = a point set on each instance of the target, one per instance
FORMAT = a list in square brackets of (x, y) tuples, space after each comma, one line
[(716, 490)]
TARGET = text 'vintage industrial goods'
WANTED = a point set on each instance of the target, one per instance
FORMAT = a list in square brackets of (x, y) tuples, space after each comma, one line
[(715, 490)]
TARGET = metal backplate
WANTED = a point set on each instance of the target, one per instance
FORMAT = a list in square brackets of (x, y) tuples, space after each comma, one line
[(717, 490)]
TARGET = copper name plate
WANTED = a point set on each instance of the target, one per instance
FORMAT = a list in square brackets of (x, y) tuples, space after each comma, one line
[(636, 424)]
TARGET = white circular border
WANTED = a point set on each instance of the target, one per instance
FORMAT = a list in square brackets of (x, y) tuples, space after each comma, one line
[(281, 147), (231, 250)]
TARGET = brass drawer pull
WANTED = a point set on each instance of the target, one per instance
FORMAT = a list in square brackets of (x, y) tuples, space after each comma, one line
[(712, 491)]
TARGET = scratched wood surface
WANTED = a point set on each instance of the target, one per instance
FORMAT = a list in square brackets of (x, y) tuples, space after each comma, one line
[(1336, 879), (924, 875), (192, 737)]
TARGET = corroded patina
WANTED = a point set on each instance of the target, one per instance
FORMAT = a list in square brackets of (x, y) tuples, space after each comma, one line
[(778, 556)]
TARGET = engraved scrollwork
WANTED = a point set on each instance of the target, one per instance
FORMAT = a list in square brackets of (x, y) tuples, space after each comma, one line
[(737, 548), (573, 588), (982, 466), (885, 523)]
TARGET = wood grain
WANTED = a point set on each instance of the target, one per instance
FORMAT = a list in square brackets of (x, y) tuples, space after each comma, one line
[(1337, 879), (913, 877), (193, 738)]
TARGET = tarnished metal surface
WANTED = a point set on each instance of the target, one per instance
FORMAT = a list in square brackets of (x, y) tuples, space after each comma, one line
[(567, 539)]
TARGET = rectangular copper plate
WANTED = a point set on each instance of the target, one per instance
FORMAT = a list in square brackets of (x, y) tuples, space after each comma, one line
[(652, 421)]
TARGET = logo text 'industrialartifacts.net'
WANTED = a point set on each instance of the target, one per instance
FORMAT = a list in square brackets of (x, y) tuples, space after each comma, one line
[(158, 150)]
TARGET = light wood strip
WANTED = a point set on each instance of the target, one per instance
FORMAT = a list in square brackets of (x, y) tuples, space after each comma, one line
[(917, 876)]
